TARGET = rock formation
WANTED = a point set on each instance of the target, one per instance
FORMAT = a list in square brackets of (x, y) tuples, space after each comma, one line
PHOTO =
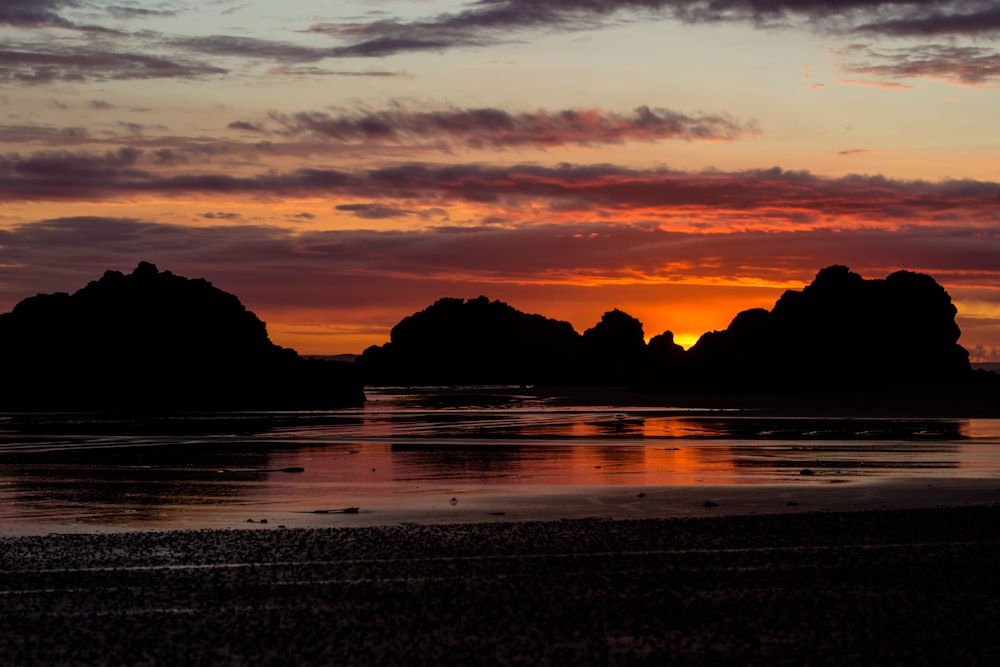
[(614, 350), (474, 341), (840, 333), (154, 341)]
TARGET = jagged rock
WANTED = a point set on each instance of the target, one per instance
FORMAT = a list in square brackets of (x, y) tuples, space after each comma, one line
[(152, 340)]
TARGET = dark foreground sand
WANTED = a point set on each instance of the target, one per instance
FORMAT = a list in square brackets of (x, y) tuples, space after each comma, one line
[(908, 587)]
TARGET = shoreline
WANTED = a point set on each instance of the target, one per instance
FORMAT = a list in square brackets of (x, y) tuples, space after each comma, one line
[(816, 494)]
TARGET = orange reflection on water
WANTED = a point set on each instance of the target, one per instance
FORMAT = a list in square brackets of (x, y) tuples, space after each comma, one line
[(413, 464)]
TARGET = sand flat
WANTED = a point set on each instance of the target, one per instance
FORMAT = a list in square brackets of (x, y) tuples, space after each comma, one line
[(875, 586)]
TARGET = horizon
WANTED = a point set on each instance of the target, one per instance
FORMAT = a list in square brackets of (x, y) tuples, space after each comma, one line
[(341, 167)]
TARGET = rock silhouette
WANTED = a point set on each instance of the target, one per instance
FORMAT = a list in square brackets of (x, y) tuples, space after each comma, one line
[(840, 333), (155, 341), (614, 350), (474, 341)]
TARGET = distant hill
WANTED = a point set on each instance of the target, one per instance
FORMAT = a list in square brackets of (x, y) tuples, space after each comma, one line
[(151, 340), (840, 333)]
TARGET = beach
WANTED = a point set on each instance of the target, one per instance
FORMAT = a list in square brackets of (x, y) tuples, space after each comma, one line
[(906, 575)]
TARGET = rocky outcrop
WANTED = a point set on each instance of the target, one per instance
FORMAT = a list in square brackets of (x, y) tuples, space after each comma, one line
[(841, 332), (474, 341), (153, 341), (614, 350)]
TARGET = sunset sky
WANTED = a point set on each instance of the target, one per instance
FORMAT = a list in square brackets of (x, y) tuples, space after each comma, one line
[(339, 165)]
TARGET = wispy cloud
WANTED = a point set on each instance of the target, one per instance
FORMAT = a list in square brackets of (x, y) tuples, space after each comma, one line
[(77, 63), (885, 85), (374, 211), (497, 128), (485, 22), (771, 198), (147, 55), (288, 264), (963, 65), (36, 13), (974, 18), (249, 47)]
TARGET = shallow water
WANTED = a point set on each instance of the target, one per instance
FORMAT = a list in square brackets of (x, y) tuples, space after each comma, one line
[(404, 448)]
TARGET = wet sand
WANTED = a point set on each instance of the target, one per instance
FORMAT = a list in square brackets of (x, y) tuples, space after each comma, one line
[(881, 575)]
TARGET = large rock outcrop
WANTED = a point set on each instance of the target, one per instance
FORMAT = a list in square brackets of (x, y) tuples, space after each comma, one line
[(152, 340), (839, 333), (474, 341)]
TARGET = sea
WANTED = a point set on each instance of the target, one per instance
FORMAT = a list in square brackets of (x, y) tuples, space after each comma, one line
[(434, 448)]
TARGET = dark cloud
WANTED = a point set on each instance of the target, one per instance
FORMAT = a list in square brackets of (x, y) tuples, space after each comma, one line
[(41, 134), (752, 197), (374, 211), (27, 65), (288, 70), (497, 129), (264, 264), (35, 13), (936, 19), (250, 47), (122, 12), (487, 22), (966, 65), (245, 126), (222, 215)]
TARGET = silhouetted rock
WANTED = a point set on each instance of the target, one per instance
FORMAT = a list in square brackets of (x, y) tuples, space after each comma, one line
[(155, 341), (841, 332), (475, 341), (664, 350), (614, 350)]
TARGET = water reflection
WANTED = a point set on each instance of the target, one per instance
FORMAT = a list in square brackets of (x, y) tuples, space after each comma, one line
[(114, 469)]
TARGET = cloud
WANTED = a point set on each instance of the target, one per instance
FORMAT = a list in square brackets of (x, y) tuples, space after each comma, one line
[(41, 134), (121, 12), (885, 85), (35, 13), (973, 18), (245, 126), (48, 14), (250, 47), (486, 22), (374, 211), (286, 261), (498, 129), (77, 63), (753, 198), (289, 70), (963, 65), (222, 215)]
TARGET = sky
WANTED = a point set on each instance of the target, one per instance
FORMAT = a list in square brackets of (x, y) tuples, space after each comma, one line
[(339, 165)]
